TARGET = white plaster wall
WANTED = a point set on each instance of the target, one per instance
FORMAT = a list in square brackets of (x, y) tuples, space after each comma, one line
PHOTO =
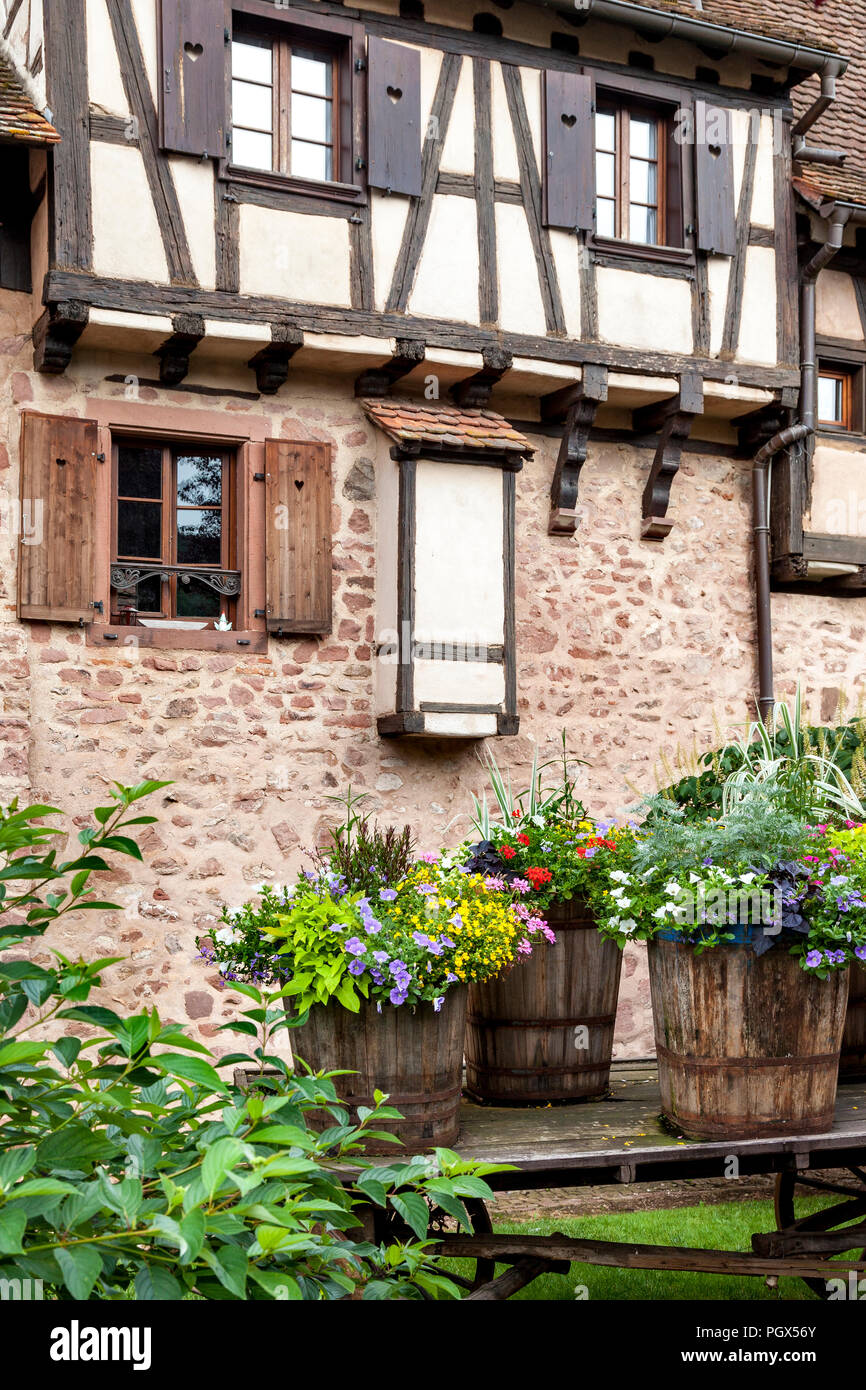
[(194, 183), (763, 199), (105, 82), (126, 236), (758, 340), (505, 165), (566, 251), (740, 129), (458, 152), (838, 491), (387, 224), (531, 79), (431, 62), (446, 283), (145, 15), (459, 682), (837, 313), (520, 306), (458, 553), (644, 311), (719, 278), (294, 256)]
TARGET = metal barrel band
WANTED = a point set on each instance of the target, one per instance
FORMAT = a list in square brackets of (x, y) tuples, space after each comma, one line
[(416, 1098), (482, 1069), (600, 1020), (750, 1126), (744, 1063)]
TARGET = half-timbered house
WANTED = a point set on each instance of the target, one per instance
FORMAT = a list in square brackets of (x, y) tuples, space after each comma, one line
[(384, 378)]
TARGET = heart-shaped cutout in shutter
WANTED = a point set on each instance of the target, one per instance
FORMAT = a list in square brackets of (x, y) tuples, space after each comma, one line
[(299, 483), (193, 51), (568, 119), (395, 93)]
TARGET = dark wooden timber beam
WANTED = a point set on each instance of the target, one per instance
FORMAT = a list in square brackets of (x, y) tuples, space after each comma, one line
[(758, 426), (176, 351), (673, 418), (56, 334), (271, 365), (473, 393), (377, 381), (578, 405)]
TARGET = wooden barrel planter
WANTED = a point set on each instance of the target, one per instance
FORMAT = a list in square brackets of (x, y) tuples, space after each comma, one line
[(415, 1056), (852, 1065), (522, 1043), (747, 1045)]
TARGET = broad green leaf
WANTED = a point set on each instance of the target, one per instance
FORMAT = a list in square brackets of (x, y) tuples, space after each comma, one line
[(153, 1283), (193, 1069), (81, 1267), (13, 1224), (219, 1160), (414, 1211), (14, 1163), (14, 1052)]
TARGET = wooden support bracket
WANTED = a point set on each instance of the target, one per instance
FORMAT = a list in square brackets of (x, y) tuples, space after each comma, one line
[(377, 381), (577, 406), (473, 393), (789, 569), (673, 419), (758, 426), (56, 334), (175, 353), (271, 365)]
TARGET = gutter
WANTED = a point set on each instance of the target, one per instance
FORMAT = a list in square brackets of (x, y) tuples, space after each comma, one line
[(721, 38)]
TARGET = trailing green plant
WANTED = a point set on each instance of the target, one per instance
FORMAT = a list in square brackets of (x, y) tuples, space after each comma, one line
[(129, 1165)]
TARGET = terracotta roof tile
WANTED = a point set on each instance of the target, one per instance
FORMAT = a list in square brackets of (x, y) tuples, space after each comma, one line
[(446, 427), (19, 118), (777, 19)]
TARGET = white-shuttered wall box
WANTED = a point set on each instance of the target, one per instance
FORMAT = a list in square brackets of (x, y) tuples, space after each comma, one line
[(446, 661)]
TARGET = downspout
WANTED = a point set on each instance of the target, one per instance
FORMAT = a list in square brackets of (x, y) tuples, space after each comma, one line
[(794, 434)]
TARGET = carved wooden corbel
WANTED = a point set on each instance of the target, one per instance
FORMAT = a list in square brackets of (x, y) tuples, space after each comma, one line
[(473, 393), (377, 381), (673, 418), (271, 365), (175, 353), (56, 334), (758, 426), (577, 406)]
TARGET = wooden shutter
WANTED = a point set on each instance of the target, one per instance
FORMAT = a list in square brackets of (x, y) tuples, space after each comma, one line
[(569, 143), (58, 535), (298, 536), (192, 105), (714, 180), (393, 117)]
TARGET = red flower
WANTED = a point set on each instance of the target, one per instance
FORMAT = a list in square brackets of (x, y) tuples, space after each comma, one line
[(523, 839), (537, 877), (507, 852)]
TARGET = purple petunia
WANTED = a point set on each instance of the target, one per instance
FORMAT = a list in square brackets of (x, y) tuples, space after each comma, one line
[(397, 996), (355, 947), (357, 967), (387, 894), (437, 1003), (380, 956), (427, 889), (860, 952), (814, 959)]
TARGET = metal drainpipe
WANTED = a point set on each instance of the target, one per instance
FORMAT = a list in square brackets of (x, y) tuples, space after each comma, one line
[(808, 301)]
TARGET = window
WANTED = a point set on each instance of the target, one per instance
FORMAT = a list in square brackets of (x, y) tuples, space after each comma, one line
[(173, 546), (16, 208), (836, 397), (285, 105), (631, 174)]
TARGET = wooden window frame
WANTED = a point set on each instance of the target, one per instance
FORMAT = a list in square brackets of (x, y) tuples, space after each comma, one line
[(851, 371), (344, 38), (623, 113), (676, 174), (171, 449)]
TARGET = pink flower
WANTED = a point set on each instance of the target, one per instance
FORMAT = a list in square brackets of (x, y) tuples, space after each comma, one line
[(524, 948), (520, 885), (429, 858)]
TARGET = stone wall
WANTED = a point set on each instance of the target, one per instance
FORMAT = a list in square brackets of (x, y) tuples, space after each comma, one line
[(633, 648)]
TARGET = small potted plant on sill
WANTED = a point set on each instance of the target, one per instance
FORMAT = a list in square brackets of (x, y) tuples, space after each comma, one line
[(751, 924), (377, 947), (544, 1031)]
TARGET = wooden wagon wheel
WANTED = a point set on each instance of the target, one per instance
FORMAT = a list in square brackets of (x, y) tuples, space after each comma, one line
[(389, 1226), (792, 1191)]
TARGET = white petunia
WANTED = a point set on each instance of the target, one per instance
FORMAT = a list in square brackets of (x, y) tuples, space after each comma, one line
[(619, 876), (227, 936), (617, 892), (624, 903), (672, 889), (748, 878), (628, 926)]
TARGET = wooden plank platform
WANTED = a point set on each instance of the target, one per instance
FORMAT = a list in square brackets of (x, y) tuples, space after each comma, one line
[(622, 1139)]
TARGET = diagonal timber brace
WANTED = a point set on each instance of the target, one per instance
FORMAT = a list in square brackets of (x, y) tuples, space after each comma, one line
[(673, 419), (377, 381), (577, 406)]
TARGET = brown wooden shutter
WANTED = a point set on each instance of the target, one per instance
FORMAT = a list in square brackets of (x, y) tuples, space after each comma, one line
[(58, 535), (192, 105), (393, 117), (714, 180), (569, 144), (298, 536)]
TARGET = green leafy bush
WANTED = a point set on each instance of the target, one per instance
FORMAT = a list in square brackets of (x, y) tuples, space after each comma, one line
[(128, 1165)]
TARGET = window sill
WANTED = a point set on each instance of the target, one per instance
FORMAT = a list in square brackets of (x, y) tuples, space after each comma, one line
[(638, 251), (840, 432), (124, 638), (345, 194)]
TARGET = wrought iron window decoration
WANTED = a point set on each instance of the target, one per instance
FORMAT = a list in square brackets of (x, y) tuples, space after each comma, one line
[(126, 580)]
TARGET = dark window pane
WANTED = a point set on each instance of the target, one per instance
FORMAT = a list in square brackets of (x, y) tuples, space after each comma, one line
[(139, 472), (198, 600), (149, 596), (199, 538), (139, 529), (199, 480)]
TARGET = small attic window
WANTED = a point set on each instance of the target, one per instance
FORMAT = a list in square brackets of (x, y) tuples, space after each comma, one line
[(16, 209)]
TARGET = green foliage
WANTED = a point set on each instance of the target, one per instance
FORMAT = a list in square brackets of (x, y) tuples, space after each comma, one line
[(128, 1164), (558, 803), (366, 857), (755, 834)]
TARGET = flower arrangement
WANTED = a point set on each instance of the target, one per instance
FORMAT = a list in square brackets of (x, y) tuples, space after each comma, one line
[(702, 883), (397, 939)]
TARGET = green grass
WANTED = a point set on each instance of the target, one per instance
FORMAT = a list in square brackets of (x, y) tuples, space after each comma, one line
[(728, 1226)]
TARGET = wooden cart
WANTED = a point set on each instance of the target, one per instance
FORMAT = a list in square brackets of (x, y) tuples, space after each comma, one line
[(621, 1139)]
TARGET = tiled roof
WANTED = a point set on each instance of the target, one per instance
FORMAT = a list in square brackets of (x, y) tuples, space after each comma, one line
[(444, 427), (777, 19), (843, 127), (19, 118)]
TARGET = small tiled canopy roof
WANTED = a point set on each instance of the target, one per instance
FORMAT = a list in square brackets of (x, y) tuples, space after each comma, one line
[(444, 427), (19, 119)]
